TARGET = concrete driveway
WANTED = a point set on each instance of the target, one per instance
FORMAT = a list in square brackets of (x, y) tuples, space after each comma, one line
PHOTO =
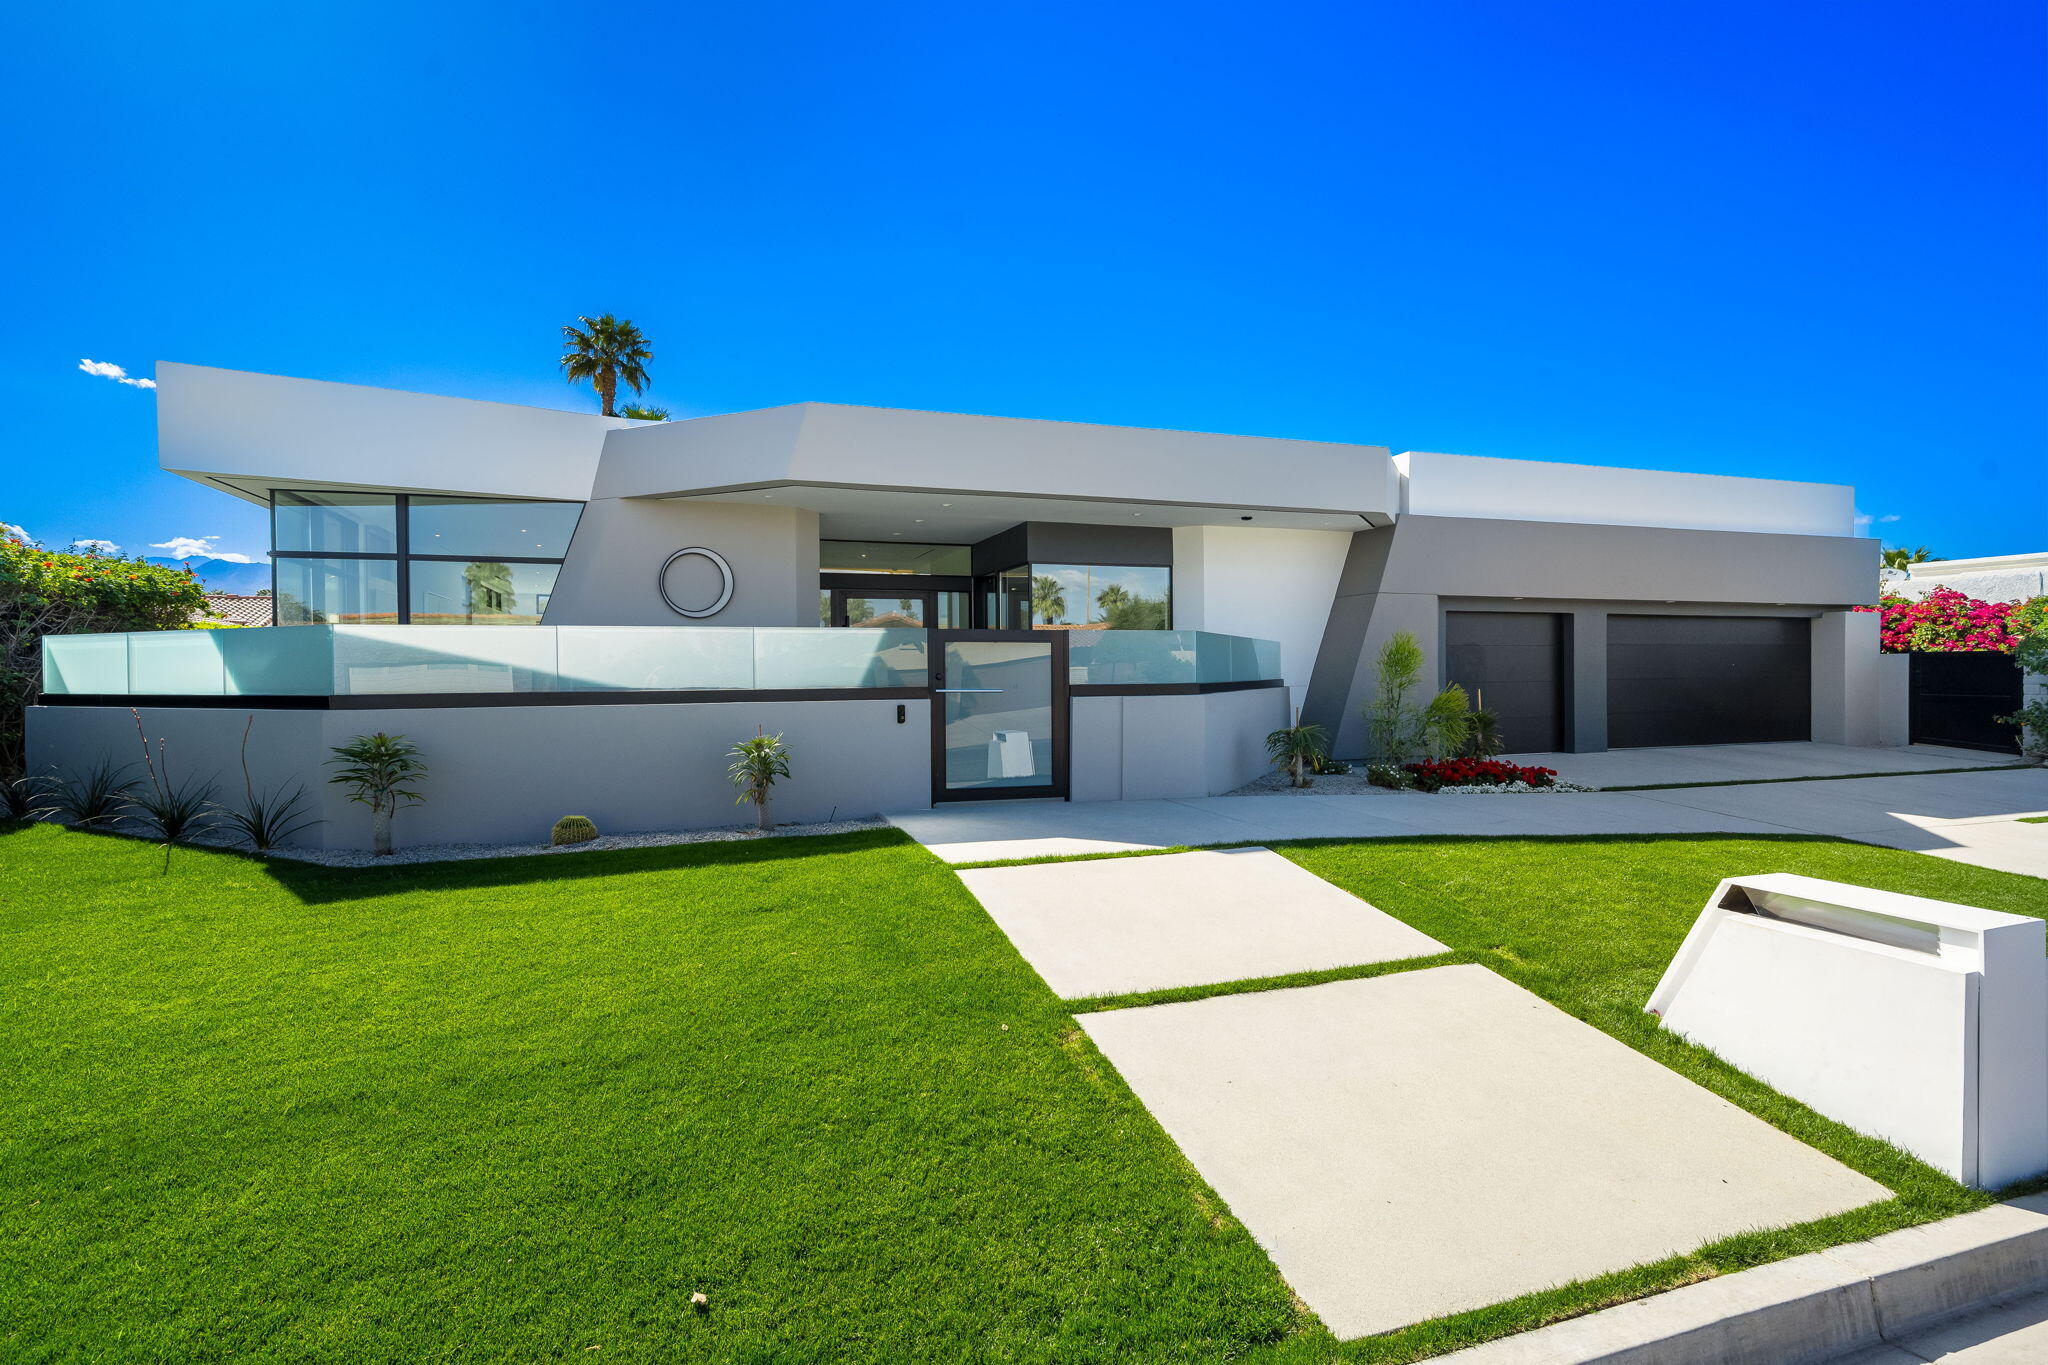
[(1753, 762), (1970, 817)]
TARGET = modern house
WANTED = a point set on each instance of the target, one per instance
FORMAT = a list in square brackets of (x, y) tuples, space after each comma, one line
[(934, 606)]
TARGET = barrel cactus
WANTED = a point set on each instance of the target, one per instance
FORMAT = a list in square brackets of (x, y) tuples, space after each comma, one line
[(573, 829)]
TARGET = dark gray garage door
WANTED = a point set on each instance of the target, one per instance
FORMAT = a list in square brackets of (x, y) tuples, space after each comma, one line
[(1512, 662), (1708, 680)]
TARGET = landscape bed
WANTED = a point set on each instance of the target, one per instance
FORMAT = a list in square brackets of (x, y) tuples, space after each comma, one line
[(527, 1107)]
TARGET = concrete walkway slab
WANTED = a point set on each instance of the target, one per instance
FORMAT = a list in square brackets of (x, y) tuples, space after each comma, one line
[(1751, 762), (1118, 925), (1428, 1142)]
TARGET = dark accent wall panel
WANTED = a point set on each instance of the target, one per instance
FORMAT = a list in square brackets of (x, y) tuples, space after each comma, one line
[(1956, 699), (1708, 680), (1512, 662)]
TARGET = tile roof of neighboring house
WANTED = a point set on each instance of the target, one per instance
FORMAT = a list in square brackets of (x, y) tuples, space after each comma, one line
[(247, 611)]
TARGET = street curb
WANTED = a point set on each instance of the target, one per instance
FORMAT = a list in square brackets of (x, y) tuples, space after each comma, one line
[(1807, 1308)]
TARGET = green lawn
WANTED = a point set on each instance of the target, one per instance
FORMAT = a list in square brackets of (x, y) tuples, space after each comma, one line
[(522, 1109)]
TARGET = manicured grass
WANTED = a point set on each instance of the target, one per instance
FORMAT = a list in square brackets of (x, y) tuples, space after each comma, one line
[(1590, 924), (1175, 995), (522, 1109), (2034, 819)]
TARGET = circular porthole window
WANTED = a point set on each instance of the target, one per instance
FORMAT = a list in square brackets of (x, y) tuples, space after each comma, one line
[(721, 589)]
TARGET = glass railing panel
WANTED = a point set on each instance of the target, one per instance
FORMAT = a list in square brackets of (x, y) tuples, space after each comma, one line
[(175, 663), (85, 665), (277, 661), (804, 657), (654, 658), (374, 661), (1098, 657)]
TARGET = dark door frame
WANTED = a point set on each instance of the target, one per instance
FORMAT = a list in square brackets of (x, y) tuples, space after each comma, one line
[(1059, 787), (925, 587)]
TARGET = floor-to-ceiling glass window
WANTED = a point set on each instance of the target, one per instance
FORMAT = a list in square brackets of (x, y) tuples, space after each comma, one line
[(346, 558), (1084, 597), (919, 585)]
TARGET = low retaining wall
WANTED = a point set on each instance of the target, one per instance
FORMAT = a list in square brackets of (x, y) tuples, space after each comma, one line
[(1142, 747), (501, 774)]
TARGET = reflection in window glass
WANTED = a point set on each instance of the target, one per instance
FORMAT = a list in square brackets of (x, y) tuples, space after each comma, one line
[(482, 592), (336, 592), (336, 523), (1097, 597), (897, 613), (1013, 599), (490, 526)]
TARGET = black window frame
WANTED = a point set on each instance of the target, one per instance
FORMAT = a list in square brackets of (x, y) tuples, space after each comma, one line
[(403, 557)]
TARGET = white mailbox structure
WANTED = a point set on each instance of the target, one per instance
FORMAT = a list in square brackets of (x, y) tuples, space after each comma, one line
[(1914, 1020)]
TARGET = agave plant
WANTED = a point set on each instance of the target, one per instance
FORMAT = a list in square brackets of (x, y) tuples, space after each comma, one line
[(172, 810), (267, 820), (97, 799), (1298, 749), (756, 764)]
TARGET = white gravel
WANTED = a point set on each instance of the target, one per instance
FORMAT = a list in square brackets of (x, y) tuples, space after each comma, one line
[(449, 853)]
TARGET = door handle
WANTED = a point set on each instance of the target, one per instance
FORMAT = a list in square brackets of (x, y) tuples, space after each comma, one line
[(953, 691)]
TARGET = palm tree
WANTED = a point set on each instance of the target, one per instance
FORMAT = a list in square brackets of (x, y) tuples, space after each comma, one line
[(603, 352), (1048, 603), (1111, 598), (644, 414), (1898, 557)]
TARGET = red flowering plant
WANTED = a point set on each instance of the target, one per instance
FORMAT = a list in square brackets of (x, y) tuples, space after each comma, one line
[(1945, 621), (47, 592), (1476, 772)]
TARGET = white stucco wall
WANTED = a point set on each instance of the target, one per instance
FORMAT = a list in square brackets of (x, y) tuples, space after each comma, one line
[(2005, 578), (610, 577), (265, 430), (1536, 490), (1267, 584)]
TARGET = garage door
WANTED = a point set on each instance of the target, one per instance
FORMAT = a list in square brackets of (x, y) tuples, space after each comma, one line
[(1512, 662), (1708, 680)]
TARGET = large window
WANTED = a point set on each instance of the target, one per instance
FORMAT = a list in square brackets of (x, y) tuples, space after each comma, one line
[(382, 558), (1085, 597)]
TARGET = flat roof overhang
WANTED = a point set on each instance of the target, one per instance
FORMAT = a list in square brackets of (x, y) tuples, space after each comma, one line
[(962, 516)]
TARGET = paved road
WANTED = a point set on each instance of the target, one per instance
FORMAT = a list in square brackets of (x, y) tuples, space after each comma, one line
[(2015, 1333)]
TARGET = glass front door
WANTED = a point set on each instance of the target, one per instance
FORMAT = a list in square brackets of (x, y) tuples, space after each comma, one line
[(999, 715), (909, 609)]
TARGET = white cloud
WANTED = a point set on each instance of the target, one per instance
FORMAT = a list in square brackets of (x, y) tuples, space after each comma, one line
[(8, 528), (199, 547), (100, 547), (1867, 519), (107, 369)]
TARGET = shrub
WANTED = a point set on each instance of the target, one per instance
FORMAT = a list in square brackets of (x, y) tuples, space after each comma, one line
[(572, 829), (1476, 772), (98, 799), (1390, 722), (1297, 748), (268, 820), (1945, 621), (1390, 775), (2033, 722), (756, 764), (172, 810), (44, 592), (26, 797), (379, 771)]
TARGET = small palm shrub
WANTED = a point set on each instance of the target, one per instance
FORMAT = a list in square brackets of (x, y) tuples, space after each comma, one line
[(1482, 737), (267, 820), (1296, 749), (1447, 721), (99, 798), (756, 764), (572, 829), (379, 771)]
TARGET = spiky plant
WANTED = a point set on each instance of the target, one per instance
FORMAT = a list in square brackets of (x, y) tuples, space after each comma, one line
[(604, 353), (1297, 749), (1447, 722), (1391, 724), (25, 796), (756, 764), (267, 820), (170, 809), (379, 771), (644, 414), (97, 799), (572, 829)]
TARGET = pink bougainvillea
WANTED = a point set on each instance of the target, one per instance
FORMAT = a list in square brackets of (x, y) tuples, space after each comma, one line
[(1945, 621)]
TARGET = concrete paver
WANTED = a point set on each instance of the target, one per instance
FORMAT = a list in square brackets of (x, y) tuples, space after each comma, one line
[(1433, 1141), (1118, 925)]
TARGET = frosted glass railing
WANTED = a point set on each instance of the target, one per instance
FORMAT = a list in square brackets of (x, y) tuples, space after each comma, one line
[(1100, 657), (354, 661)]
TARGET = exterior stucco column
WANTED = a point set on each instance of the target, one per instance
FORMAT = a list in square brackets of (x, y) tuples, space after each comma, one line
[(1587, 695), (1845, 678)]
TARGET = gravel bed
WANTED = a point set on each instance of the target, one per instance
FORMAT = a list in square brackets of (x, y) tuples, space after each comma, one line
[(449, 853)]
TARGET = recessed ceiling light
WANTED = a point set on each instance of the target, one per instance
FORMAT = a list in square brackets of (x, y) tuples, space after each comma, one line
[(945, 504), (918, 520)]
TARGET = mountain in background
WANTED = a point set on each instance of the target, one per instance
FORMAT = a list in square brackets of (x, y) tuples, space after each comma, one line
[(221, 575)]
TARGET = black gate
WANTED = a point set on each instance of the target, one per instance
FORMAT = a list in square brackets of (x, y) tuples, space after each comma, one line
[(1954, 699)]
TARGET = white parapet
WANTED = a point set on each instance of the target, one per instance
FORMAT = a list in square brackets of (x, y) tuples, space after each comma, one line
[(1914, 1020)]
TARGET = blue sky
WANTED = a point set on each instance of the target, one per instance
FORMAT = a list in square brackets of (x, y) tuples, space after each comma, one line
[(1784, 240)]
